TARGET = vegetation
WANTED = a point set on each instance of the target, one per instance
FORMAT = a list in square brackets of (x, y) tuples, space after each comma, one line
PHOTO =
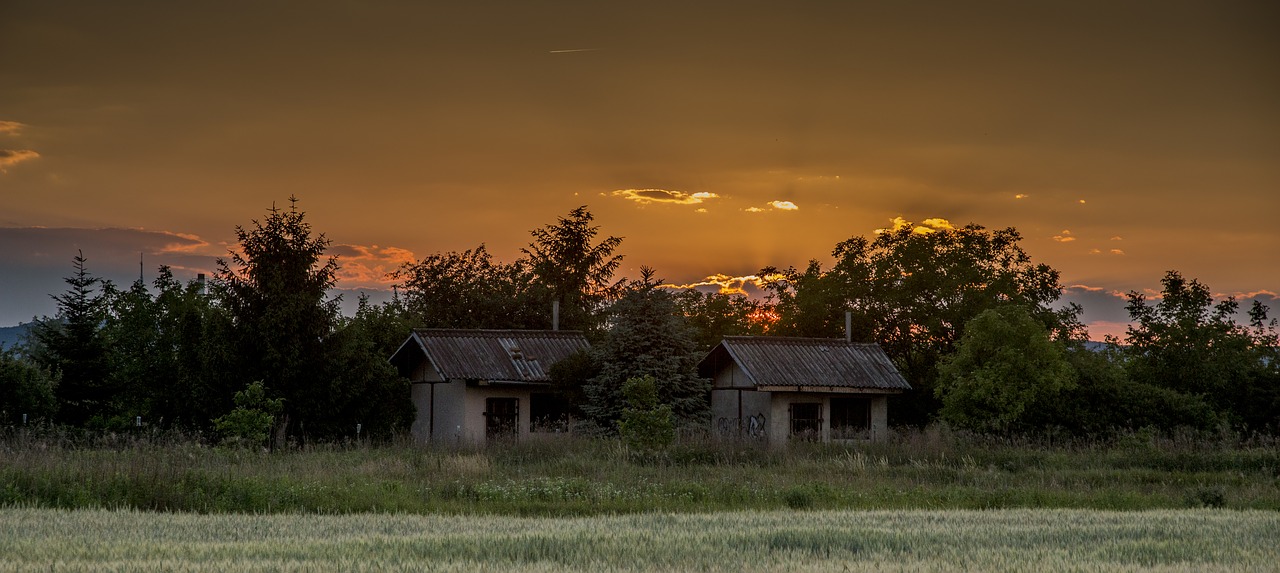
[(1010, 540), (968, 318), (572, 475)]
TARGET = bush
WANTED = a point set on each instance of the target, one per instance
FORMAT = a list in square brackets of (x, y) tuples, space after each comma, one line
[(250, 423), (646, 426)]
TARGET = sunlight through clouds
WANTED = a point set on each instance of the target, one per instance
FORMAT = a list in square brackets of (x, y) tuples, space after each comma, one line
[(647, 196), (727, 284), (11, 157), (10, 127), (369, 266), (932, 225)]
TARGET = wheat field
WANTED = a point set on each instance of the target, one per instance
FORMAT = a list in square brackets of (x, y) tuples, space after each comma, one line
[(914, 540)]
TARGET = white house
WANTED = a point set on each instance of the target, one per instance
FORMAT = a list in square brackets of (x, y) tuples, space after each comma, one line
[(473, 386), (780, 388)]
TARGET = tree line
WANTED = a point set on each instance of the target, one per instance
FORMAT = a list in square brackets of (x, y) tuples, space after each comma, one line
[(972, 322)]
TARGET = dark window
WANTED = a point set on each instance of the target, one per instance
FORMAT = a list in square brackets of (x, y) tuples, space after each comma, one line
[(850, 417), (548, 413), (806, 420), (502, 416)]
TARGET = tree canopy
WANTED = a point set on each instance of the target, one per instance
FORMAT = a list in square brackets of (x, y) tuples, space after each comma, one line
[(913, 290)]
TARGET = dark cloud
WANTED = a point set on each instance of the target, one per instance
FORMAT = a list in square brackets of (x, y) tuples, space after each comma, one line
[(36, 261)]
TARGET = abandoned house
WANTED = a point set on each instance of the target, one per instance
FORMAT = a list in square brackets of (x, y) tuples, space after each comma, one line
[(779, 388), (474, 386)]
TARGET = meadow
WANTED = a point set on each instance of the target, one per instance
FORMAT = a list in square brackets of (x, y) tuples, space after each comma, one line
[(933, 469), (1201, 540)]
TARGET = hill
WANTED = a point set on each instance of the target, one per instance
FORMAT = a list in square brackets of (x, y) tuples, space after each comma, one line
[(10, 336)]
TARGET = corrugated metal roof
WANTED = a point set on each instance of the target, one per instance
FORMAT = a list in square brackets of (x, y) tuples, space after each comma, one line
[(494, 355), (786, 361)]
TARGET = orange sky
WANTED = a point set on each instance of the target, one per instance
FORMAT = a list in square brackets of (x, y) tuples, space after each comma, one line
[(1122, 139)]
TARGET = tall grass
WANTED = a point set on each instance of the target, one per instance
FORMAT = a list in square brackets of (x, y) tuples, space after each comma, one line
[(951, 540), (934, 469)]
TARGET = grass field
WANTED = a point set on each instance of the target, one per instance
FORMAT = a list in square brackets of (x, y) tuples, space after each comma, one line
[(583, 477), (786, 540)]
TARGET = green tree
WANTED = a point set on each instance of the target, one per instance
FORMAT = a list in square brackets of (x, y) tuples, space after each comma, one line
[(249, 424), (646, 426), (275, 291), (713, 316), (1187, 343), (72, 346), (194, 369), (913, 290), (577, 270), (140, 365), (365, 389), (648, 336), (25, 390), (1004, 365), (470, 290)]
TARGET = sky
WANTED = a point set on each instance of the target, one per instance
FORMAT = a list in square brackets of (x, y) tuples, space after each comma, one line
[(1122, 139)]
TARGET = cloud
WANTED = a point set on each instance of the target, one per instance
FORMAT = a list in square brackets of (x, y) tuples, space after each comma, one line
[(11, 127), (928, 226), (753, 210), (11, 157), (1021, 196), (361, 266), (1082, 201), (1065, 237), (1117, 238), (728, 284), (647, 196), (1117, 252), (784, 205)]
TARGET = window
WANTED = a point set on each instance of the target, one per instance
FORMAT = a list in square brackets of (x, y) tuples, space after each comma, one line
[(548, 413), (502, 416), (850, 417), (806, 420)]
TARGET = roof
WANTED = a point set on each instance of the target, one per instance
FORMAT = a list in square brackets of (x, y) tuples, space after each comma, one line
[(811, 362), (521, 356)]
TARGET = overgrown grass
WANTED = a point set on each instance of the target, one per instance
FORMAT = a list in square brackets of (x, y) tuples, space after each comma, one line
[(935, 469), (1200, 540)]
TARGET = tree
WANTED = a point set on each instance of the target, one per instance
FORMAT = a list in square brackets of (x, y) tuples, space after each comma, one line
[(713, 316), (249, 424), (364, 387), (1004, 365), (577, 271), (912, 290), (26, 390), (275, 291), (72, 347), (141, 367), (470, 290), (647, 337), (1188, 344), (646, 425)]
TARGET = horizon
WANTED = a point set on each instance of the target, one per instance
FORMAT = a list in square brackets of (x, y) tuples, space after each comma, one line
[(1121, 141)]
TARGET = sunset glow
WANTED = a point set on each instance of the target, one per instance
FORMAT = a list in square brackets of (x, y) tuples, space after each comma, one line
[(146, 134)]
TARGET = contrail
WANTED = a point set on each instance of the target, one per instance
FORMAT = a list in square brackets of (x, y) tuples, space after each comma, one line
[(575, 50)]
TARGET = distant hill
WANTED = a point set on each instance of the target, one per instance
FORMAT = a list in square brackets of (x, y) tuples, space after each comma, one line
[(10, 336)]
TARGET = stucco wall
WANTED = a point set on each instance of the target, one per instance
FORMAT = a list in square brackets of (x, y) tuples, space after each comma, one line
[(754, 411)]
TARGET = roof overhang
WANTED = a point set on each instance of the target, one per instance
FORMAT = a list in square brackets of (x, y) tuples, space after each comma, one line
[(828, 390)]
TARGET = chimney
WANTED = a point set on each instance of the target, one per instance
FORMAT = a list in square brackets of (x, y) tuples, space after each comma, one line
[(555, 315), (848, 326)]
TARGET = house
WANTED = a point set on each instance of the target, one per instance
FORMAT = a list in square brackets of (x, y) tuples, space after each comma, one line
[(473, 386), (779, 388)]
